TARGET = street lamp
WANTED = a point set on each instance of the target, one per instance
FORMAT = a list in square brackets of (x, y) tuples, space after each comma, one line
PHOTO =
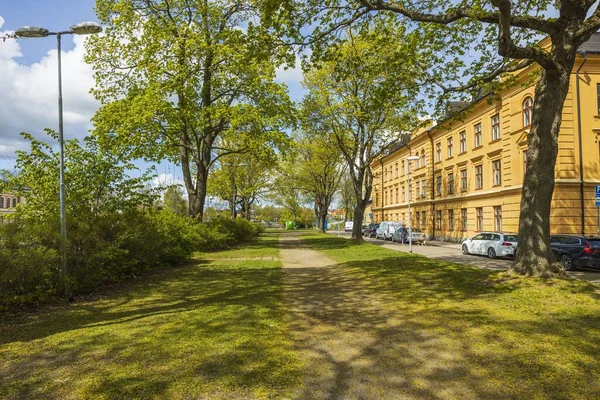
[(410, 159), (83, 28)]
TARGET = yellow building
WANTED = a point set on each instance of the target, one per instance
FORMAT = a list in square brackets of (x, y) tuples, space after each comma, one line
[(469, 174)]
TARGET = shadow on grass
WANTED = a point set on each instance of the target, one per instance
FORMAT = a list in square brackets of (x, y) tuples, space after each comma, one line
[(409, 327), (202, 328)]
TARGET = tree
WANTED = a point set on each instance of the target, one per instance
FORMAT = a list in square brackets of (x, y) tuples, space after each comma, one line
[(363, 95), (284, 191), (319, 171), (347, 197), (173, 200), (506, 34), (242, 180), (179, 79)]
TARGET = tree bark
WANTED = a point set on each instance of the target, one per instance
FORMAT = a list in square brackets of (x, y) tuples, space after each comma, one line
[(534, 254), (359, 212)]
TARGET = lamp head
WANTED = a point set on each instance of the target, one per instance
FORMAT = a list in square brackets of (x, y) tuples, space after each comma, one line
[(86, 28), (31, 32)]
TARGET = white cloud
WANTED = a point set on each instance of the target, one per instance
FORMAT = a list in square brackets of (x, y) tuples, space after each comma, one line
[(29, 93), (290, 75)]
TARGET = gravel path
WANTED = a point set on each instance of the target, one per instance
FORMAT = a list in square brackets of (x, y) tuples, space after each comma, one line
[(337, 324)]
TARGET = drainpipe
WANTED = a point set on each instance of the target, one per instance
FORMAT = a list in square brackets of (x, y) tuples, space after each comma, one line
[(584, 54), (382, 196), (432, 186)]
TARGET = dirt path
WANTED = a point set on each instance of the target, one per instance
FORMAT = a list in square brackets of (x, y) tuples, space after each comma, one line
[(337, 323)]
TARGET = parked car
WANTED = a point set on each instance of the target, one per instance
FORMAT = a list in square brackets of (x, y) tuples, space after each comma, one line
[(576, 251), (348, 226), (370, 230), (492, 244), (387, 229), (417, 235)]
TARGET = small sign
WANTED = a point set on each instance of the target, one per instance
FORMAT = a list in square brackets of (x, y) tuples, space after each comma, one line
[(597, 191)]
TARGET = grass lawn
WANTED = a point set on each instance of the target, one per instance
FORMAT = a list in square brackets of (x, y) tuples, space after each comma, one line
[(211, 329), (464, 332)]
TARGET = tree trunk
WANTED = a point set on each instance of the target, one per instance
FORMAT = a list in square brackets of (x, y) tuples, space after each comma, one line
[(359, 212), (197, 198), (534, 254), (322, 219)]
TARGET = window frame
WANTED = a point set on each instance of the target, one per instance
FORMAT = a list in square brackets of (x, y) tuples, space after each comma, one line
[(498, 218), (463, 141), (497, 173), (478, 135), (438, 152), (527, 111), (463, 180), (451, 220), (479, 177), (451, 183), (439, 186), (463, 219), (495, 127), (479, 218), (450, 143), (423, 158), (438, 220)]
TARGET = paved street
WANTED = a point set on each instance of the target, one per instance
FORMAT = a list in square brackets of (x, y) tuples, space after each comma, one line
[(452, 253)]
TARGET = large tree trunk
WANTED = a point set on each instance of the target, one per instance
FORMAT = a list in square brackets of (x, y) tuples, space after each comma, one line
[(534, 254), (359, 212)]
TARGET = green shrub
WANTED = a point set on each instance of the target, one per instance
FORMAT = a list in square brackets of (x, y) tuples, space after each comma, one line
[(103, 248)]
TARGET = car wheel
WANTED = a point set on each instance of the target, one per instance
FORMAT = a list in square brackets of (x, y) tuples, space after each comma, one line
[(465, 249), (491, 253), (567, 261)]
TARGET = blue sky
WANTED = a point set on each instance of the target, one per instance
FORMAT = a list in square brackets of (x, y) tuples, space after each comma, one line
[(28, 77)]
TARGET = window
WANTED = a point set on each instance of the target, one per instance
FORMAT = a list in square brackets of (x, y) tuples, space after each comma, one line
[(496, 127), (1, 202), (15, 202), (450, 183), (451, 220), (391, 197), (496, 165), (463, 180), (418, 224), (410, 192), (478, 176), (403, 219), (438, 219), (479, 212), (403, 194), (450, 148), (402, 167), (423, 189), (384, 198), (438, 152), (397, 198), (416, 163), (385, 174), (478, 140), (463, 142), (527, 111), (463, 219), (524, 162), (377, 199), (422, 158), (598, 96), (498, 219), (424, 220), (438, 183), (417, 190), (396, 170)]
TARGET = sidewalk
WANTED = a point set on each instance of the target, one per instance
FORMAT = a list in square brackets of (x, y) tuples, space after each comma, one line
[(439, 243)]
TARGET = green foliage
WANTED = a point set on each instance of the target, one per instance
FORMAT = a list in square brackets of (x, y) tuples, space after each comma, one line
[(173, 200), (190, 81)]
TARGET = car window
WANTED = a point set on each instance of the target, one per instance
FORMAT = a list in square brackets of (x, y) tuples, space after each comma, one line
[(479, 237), (595, 242), (556, 240), (495, 237), (572, 240), (510, 238)]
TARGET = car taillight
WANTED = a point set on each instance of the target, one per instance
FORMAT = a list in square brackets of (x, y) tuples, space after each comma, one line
[(587, 249), (506, 244)]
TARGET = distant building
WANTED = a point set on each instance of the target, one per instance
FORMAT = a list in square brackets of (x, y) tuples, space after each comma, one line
[(8, 205)]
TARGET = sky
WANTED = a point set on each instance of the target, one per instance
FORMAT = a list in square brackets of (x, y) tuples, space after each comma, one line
[(28, 78)]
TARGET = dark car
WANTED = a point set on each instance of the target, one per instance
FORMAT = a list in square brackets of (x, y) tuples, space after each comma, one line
[(370, 230), (576, 251)]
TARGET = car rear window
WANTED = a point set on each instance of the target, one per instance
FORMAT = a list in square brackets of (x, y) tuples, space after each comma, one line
[(594, 242), (572, 240), (510, 238)]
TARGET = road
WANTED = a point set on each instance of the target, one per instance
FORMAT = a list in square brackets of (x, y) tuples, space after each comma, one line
[(452, 253)]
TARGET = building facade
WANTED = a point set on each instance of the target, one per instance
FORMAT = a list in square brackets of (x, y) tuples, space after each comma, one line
[(469, 172), (8, 205)]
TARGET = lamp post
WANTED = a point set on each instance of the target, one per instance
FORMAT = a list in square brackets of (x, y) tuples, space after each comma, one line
[(410, 159), (83, 28)]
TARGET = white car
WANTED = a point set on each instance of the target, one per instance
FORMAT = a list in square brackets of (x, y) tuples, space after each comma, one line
[(349, 226), (492, 244), (386, 230)]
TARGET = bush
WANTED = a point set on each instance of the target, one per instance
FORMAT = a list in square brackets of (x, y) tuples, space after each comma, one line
[(103, 248)]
